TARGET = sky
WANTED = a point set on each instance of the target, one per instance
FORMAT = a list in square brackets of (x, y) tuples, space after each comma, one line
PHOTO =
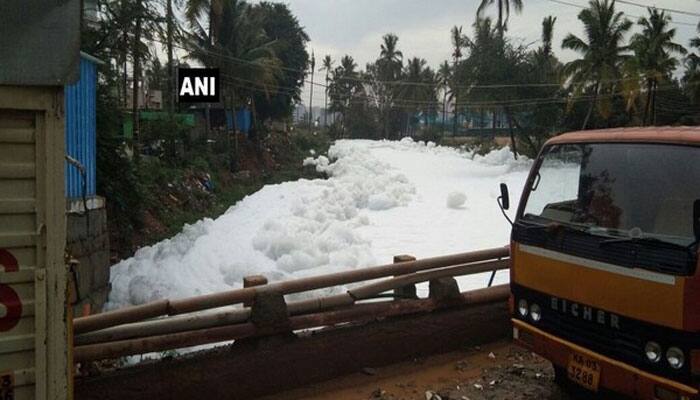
[(356, 27)]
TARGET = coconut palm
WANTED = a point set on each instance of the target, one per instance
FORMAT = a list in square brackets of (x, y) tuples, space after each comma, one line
[(602, 51), (503, 11), (211, 9), (418, 90), (459, 42), (547, 32), (544, 62), (326, 65), (444, 78), (390, 57), (654, 48), (242, 52), (388, 71), (344, 85)]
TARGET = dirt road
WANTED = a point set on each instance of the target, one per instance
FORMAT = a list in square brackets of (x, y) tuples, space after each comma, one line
[(499, 371)]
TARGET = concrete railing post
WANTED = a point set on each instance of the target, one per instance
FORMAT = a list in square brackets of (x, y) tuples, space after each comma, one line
[(444, 289), (251, 281)]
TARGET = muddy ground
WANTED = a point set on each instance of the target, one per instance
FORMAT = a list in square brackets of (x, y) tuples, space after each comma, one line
[(498, 371)]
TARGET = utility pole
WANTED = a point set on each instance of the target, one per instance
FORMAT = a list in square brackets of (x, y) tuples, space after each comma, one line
[(311, 96), (325, 107)]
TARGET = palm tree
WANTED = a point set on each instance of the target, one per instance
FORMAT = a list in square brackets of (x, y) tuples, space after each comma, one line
[(459, 42), (326, 65), (212, 9), (653, 48), (418, 92), (547, 32), (503, 11), (390, 57), (242, 52), (344, 84), (444, 77), (389, 67), (545, 63), (602, 52)]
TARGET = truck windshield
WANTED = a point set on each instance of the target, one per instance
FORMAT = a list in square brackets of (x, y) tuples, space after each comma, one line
[(619, 190)]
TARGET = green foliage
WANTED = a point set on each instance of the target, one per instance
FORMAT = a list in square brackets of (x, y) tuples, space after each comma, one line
[(290, 40), (117, 178), (503, 7), (166, 138), (654, 48), (603, 53), (260, 50)]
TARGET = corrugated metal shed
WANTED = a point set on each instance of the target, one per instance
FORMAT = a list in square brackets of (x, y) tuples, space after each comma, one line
[(81, 138), (243, 120)]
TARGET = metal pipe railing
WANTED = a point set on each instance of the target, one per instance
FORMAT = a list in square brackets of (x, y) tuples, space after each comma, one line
[(182, 306), (191, 322), (197, 337)]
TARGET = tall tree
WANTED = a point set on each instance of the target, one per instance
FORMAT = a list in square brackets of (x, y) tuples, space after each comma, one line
[(444, 78), (243, 53), (503, 11), (539, 121), (388, 72), (212, 10), (459, 42), (391, 58), (288, 41), (417, 91), (344, 85), (603, 52), (654, 48), (547, 33)]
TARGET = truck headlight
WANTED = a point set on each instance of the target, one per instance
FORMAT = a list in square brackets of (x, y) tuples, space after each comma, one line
[(675, 357), (653, 352), (522, 307), (535, 312)]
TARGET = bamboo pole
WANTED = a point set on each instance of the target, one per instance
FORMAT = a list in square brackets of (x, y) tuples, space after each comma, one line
[(229, 317), (362, 312), (182, 306)]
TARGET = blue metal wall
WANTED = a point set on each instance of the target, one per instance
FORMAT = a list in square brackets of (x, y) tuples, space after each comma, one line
[(243, 120), (80, 129)]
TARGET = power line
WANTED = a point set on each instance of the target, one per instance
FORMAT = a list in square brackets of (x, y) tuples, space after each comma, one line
[(671, 10), (404, 103), (566, 3), (410, 83), (402, 83)]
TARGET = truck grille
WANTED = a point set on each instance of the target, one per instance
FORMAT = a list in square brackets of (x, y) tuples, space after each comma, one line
[(625, 344)]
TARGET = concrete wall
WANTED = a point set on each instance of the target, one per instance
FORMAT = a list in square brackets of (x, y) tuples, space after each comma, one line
[(88, 243)]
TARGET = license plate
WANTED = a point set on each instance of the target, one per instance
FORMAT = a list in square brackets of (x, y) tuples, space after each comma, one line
[(584, 371)]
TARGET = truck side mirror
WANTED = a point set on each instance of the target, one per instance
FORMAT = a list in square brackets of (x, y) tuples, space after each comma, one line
[(696, 219), (504, 200)]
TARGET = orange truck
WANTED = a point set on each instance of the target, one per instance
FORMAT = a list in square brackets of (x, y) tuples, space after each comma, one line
[(605, 278)]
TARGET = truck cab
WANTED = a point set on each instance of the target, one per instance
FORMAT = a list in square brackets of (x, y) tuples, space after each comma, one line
[(604, 279)]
